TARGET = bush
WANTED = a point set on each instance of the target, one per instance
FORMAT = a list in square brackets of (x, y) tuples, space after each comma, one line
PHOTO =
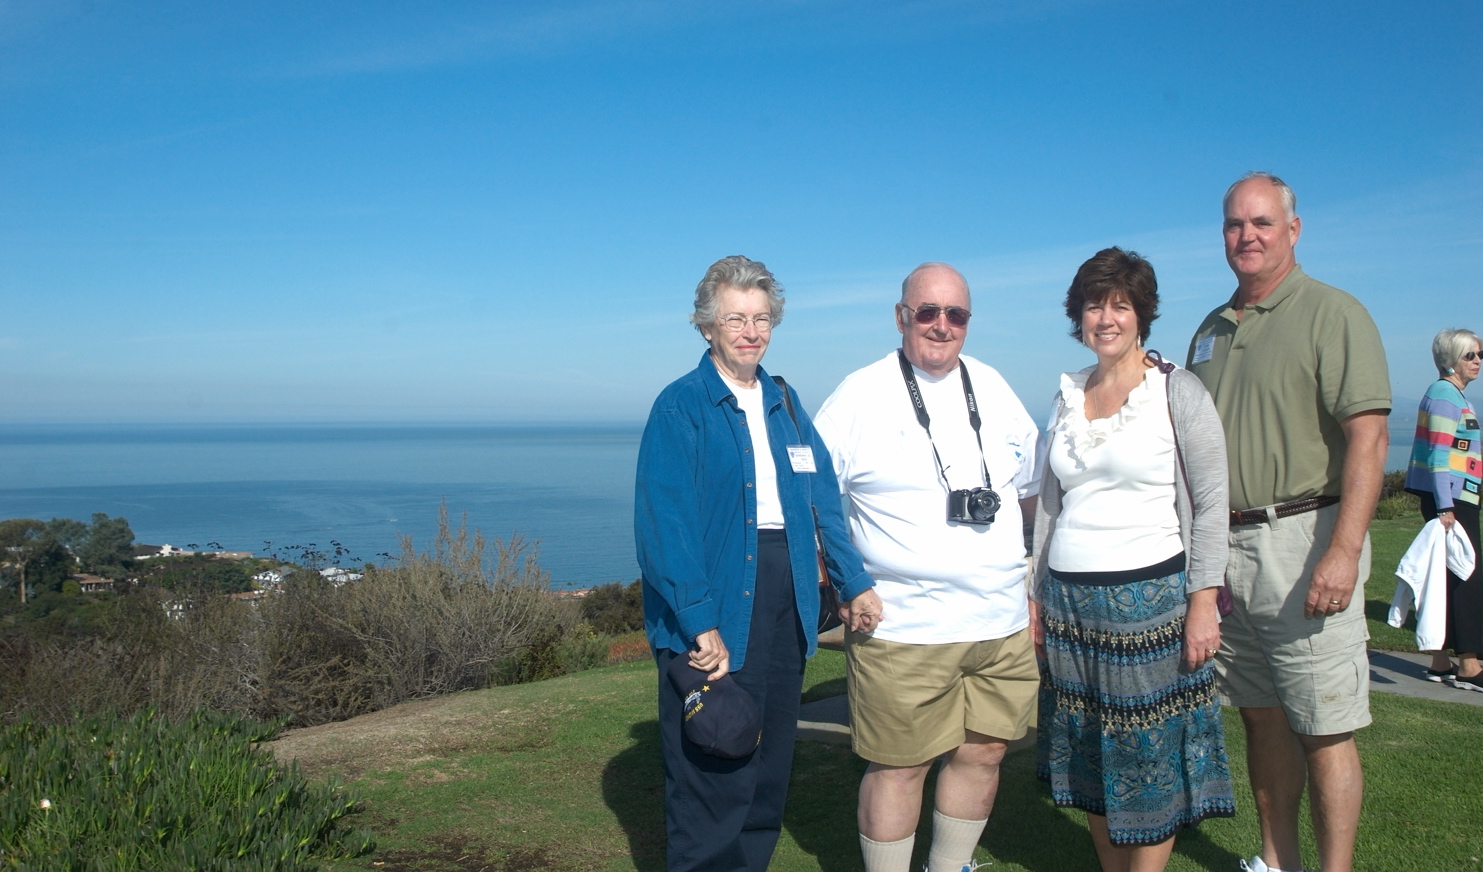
[(614, 609), (108, 793), (138, 657), (1395, 503), (435, 622), (630, 648)]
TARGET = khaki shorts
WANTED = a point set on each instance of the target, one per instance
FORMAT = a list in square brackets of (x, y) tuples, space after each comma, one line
[(912, 703), (1315, 669)]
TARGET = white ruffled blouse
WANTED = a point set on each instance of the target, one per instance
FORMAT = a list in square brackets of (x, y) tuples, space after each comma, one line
[(1118, 474)]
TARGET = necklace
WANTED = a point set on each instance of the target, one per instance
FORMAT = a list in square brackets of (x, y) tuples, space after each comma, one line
[(1110, 392)]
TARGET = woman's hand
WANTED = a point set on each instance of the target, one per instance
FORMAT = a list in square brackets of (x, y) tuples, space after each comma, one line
[(863, 613), (1447, 519), (1201, 629), (710, 655)]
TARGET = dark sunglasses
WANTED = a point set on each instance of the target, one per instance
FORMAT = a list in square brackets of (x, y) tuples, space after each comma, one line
[(928, 314), (1470, 356)]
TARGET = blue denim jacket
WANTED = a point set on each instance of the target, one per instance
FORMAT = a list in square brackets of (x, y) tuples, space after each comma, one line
[(695, 514)]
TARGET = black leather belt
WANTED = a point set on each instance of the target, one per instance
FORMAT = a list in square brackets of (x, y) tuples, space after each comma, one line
[(1243, 517)]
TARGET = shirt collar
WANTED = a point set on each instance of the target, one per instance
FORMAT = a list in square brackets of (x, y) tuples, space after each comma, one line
[(718, 390), (1284, 291)]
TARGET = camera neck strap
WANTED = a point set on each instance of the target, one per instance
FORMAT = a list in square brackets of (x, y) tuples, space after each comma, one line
[(914, 391)]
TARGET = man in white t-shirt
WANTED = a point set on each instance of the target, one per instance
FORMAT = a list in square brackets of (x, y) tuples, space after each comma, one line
[(937, 457)]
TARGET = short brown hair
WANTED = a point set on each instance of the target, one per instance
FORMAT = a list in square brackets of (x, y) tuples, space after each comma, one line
[(1113, 273)]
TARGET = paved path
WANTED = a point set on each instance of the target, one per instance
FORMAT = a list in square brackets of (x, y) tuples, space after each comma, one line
[(1390, 672)]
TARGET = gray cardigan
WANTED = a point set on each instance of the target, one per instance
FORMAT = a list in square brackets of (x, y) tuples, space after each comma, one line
[(1201, 488)]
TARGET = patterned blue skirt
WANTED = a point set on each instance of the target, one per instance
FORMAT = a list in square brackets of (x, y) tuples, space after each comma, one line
[(1124, 731)]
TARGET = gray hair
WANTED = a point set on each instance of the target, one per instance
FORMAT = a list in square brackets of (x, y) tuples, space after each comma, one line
[(1289, 199), (931, 264), (1449, 346), (740, 273)]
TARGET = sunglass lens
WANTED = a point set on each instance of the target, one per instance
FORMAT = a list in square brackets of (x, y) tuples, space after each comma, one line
[(956, 315)]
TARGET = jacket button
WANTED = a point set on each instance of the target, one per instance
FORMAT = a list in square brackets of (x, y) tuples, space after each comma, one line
[(749, 522), (749, 558), (749, 484), (746, 593)]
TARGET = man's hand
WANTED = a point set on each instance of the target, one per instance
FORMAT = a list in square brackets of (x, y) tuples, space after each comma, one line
[(863, 613), (711, 655), (1037, 630), (1332, 585), (1337, 572)]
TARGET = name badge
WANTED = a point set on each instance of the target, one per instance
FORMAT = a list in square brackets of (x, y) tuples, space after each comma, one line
[(1203, 350), (802, 458)]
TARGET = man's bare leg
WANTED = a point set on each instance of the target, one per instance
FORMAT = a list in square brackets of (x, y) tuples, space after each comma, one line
[(1336, 787), (1277, 767), (969, 779), (891, 801), (967, 783)]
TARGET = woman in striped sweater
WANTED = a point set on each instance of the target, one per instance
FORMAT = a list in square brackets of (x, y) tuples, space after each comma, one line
[(1444, 471)]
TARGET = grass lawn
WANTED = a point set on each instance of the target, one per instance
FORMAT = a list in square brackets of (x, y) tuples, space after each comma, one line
[(565, 774)]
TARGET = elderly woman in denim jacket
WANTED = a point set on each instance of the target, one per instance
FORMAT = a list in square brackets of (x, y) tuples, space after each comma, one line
[(729, 479)]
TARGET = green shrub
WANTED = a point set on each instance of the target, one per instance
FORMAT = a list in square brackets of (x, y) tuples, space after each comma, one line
[(1398, 507), (614, 609), (583, 649), (1395, 504), (107, 793)]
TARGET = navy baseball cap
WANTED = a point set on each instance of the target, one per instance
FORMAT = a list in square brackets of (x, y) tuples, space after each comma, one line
[(720, 716)]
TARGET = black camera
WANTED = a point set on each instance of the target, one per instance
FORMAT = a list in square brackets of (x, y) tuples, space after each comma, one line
[(977, 506)]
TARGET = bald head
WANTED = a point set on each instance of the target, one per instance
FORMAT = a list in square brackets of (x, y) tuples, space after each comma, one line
[(932, 272)]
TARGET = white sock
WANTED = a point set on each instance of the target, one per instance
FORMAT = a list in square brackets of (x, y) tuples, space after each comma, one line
[(953, 841), (887, 856)]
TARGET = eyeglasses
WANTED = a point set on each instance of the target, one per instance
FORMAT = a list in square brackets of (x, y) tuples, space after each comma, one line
[(928, 314), (734, 322), (1470, 356)]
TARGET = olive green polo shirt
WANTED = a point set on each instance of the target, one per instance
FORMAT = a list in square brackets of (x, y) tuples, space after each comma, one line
[(1283, 377)]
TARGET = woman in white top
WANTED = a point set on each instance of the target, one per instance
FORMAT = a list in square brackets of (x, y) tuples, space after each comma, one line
[(1130, 556)]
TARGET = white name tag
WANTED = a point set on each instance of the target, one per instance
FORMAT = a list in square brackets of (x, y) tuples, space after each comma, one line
[(1203, 349), (802, 458)]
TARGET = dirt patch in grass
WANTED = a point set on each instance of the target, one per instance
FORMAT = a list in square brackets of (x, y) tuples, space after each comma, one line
[(461, 854), (425, 730)]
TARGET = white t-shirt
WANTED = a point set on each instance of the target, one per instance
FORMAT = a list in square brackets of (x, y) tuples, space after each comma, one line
[(940, 581), (769, 507), (1118, 477)]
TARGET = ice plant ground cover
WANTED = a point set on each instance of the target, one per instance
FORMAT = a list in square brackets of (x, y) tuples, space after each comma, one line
[(107, 793)]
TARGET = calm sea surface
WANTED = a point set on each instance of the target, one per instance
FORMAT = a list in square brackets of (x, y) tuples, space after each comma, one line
[(269, 489)]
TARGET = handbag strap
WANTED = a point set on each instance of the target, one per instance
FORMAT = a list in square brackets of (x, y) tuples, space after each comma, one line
[(818, 537), (1167, 369)]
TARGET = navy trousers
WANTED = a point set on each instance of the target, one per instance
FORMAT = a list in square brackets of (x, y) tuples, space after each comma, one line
[(726, 815)]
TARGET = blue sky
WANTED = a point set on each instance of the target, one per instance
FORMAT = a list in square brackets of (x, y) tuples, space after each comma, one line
[(498, 212)]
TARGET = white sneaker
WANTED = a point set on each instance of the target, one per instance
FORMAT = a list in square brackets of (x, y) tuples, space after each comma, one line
[(1257, 864)]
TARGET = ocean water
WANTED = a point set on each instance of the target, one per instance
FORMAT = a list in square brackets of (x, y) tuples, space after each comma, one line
[(265, 489)]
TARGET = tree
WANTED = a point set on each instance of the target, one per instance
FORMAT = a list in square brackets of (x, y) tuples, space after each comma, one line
[(69, 531), (32, 556), (108, 549)]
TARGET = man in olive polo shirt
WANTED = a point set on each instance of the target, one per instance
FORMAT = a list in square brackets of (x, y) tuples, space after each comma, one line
[(1298, 375)]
